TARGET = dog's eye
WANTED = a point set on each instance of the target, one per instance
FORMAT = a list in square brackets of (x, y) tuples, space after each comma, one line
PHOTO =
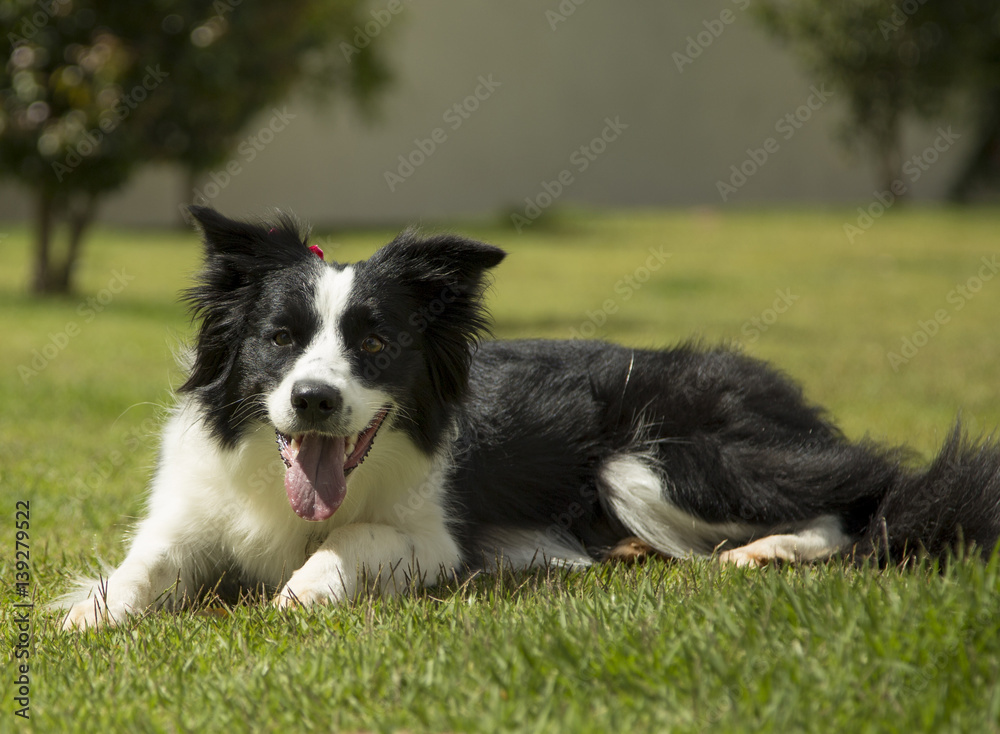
[(372, 344), (282, 338)]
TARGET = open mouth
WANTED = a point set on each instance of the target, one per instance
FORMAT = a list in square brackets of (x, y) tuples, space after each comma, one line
[(318, 466)]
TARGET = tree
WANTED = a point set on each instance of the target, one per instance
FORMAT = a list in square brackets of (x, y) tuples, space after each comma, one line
[(93, 89), (981, 46), (890, 59), (981, 170), (203, 121)]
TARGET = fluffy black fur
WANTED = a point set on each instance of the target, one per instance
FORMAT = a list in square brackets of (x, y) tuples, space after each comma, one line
[(425, 295), (252, 272), (732, 439), (459, 451), (258, 277)]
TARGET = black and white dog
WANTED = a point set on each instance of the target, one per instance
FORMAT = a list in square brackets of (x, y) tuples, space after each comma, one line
[(408, 450)]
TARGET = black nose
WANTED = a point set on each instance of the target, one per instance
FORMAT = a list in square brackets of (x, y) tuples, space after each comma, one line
[(315, 401)]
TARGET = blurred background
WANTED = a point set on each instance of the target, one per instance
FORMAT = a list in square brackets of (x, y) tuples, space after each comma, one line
[(391, 111), (813, 182)]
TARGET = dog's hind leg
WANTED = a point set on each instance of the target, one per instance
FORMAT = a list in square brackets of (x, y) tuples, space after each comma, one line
[(633, 550), (635, 492), (818, 540)]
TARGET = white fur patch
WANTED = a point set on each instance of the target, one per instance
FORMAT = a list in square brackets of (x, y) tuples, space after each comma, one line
[(212, 508), (635, 493), (325, 359), (817, 540), (210, 504)]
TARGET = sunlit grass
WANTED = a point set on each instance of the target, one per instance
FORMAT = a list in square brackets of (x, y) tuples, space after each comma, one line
[(680, 647)]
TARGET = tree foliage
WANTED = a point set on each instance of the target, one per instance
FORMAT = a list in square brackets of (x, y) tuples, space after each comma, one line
[(892, 60), (91, 90)]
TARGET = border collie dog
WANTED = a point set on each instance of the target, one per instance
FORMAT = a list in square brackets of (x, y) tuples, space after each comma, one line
[(344, 428)]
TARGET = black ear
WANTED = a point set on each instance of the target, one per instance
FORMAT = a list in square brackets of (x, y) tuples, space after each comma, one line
[(249, 247), (440, 258), (237, 254), (443, 278)]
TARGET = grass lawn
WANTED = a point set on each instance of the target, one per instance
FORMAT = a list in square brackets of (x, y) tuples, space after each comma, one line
[(689, 646)]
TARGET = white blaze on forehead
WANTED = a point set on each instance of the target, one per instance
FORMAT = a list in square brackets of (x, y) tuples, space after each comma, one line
[(327, 352), (326, 357), (332, 293)]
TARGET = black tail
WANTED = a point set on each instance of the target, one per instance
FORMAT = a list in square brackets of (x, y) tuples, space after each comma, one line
[(953, 506)]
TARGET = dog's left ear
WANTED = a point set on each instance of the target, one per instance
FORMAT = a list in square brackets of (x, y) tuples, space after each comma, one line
[(443, 267), (441, 258), (443, 278)]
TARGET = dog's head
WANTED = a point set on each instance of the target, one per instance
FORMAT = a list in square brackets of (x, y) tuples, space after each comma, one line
[(328, 354)]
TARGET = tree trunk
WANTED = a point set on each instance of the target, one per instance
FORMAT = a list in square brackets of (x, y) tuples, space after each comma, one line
[(890, 158), (54, 276), (982, 167), (44, 214), (79, 218)]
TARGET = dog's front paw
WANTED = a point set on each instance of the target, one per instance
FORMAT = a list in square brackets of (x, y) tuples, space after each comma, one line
[(310, 586), (90, 614), (294, 595)]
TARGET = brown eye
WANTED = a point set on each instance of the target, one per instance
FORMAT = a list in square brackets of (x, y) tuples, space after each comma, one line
[(372, 344), (282, 338)]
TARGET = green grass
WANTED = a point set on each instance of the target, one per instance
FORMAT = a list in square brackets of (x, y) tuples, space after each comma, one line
[(679, 647)]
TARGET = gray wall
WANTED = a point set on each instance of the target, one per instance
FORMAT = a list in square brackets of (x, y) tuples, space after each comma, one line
[(556, 87)]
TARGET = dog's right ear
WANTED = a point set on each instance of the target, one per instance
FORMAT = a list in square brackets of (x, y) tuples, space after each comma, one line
[(215, 227), (237, 254), (250, 247)]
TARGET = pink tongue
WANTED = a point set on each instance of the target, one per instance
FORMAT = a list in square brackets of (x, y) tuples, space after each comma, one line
[(315, 481)]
